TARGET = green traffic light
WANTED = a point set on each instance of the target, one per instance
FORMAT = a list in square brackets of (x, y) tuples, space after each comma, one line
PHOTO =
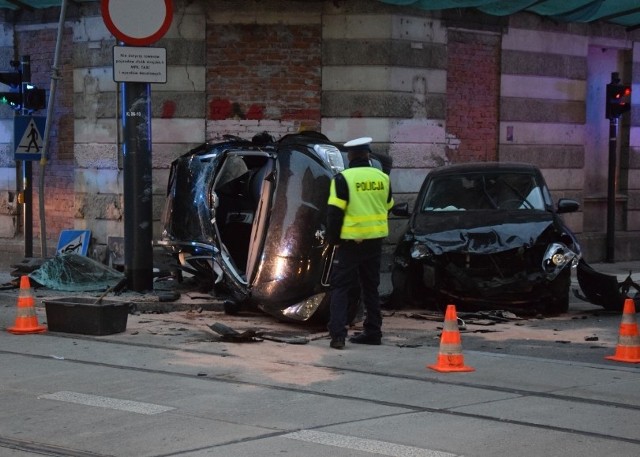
[(11, 99)]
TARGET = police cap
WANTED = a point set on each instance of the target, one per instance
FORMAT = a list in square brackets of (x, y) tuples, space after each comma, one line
[(359, 145)]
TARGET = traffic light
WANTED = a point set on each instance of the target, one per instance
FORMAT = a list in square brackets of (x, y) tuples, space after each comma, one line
[(24, 96), (13, 79), (13, 99), (618, 98), (34, 98)]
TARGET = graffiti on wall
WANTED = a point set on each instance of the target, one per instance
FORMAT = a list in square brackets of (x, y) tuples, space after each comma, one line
[(226, 109)]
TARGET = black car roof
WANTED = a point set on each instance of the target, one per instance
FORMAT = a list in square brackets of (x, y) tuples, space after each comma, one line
[(471, 167)]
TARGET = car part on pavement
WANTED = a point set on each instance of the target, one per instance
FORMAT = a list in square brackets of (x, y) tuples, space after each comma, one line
[(602, 289)]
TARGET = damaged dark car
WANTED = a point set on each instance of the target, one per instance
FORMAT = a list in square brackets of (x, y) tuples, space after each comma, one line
[(485, 236), (248, 217)]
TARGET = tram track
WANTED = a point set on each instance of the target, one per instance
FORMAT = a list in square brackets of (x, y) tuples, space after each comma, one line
[(406, 407)]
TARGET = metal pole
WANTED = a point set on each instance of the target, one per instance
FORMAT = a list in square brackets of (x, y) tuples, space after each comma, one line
[(138, 222), (27, 193), (611, 190), (55, 75), (27, 171)]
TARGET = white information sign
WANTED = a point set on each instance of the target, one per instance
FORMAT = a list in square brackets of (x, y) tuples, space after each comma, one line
[(139, 64)]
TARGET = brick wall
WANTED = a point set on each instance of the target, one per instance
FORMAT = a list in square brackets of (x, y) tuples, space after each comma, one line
[(473, 85), (263, 73), (59, 182), (430, 88)]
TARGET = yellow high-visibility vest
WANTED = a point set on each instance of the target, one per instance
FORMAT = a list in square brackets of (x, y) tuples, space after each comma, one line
[(365, 214)]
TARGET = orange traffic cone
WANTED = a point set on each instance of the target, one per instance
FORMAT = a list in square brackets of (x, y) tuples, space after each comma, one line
[(450, 357), (628, 349), (26, 319)]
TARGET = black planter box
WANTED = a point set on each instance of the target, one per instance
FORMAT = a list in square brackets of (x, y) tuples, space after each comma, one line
[(83, 315)]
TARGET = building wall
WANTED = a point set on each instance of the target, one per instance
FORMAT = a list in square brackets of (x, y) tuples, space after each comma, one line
[(542, 104), (431, 88), (263, 68), (59, 166), (473, 87), (552, 115), (178, 116), (630, 164), (384, 76), (9, 207)]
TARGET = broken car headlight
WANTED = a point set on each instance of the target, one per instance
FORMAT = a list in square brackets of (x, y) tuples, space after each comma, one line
[(556, 258), (303, 310), (331, 155), (420, 251)]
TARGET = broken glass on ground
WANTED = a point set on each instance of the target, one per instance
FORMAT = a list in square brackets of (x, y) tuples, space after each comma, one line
[(76, 273)]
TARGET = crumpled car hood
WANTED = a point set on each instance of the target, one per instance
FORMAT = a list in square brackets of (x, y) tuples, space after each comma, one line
[(480, 232)]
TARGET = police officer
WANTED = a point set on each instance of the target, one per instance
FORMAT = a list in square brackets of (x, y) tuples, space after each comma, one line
[(359, 201)]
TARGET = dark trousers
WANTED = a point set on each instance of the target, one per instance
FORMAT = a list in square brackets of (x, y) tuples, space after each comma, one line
[(353, 264)]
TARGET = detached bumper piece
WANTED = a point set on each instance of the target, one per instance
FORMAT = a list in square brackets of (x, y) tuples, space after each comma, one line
[(603, 289)]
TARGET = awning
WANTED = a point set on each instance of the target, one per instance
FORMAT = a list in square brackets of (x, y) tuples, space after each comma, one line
[(620, 12), (28, 4), (33, 4)]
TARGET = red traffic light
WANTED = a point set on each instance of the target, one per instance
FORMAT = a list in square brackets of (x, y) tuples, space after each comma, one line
[(618, 100), (624, 91)]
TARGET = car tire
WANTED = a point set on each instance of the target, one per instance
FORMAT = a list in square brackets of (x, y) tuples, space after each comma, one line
[(561, 288)]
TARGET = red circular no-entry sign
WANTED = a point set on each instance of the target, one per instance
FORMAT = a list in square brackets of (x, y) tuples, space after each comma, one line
[(137, 22)]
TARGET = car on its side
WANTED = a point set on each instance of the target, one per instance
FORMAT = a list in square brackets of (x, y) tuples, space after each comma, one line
[(248, 218), (485, 236)]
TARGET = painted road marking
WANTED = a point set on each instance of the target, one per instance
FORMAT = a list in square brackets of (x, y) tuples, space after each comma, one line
[(106, 402), (361, 444)]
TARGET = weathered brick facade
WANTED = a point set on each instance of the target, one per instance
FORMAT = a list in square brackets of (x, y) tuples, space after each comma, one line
[(473, 85), (58, 183), (431, 88), (259, 72)]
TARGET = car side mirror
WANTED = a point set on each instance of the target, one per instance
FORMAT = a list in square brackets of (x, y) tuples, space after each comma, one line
[(567, 205), (400, 210)]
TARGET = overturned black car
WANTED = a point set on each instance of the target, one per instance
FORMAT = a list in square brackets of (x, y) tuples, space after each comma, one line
[(248, 217), (485, 235)]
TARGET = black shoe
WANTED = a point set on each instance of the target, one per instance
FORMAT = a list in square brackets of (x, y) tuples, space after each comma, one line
[(337, 343), (363, 338)]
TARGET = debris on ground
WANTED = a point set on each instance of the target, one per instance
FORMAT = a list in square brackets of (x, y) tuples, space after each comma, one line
[(251, 335), (285, 337), (233, 336), (490, 317), (26, 266)]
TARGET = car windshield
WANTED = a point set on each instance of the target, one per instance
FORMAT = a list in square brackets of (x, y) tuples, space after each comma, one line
[(483, 191)]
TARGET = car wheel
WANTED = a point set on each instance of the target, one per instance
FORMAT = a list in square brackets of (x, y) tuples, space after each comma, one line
[(561, 287)]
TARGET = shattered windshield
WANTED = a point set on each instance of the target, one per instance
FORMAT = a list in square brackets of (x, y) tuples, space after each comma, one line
[(483, 191), (76, 273)]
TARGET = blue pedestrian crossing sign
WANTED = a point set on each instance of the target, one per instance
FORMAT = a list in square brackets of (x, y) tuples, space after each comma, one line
[(28, 137), (74, 242)]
